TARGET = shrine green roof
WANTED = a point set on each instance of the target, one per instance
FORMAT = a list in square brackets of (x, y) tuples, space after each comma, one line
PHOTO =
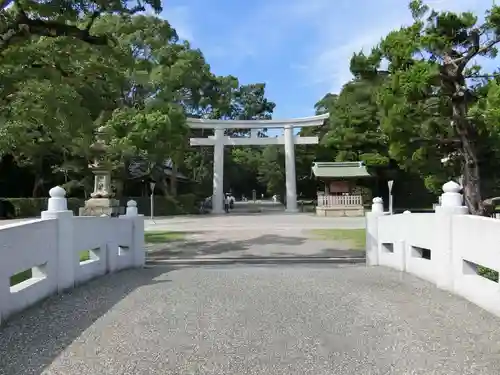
[(340, 169)]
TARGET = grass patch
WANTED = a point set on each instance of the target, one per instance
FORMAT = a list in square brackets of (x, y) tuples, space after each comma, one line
[(356, 238), (20, 277), (162, 236), (488, 273), (84, 255)]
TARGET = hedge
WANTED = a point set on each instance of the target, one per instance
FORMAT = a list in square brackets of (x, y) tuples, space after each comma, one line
[(32, 207), (163, 206), (166, 206)]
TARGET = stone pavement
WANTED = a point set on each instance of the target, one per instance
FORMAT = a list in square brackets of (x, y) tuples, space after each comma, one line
[(245, 244), (252, 237), (269, 320), (274, 222)]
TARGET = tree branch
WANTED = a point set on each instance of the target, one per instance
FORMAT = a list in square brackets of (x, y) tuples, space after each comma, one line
[(486, 76), (475, 49), (138, 8), (92, 20), (54, 65), (439, 141), (23, 27)]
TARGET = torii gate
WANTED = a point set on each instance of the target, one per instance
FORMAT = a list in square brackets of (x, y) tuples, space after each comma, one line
[(218, 141)]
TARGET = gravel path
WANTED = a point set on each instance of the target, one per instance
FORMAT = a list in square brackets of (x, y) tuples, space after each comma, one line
[(253, 320)]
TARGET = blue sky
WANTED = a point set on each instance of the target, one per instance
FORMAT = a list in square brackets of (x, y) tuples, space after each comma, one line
[(299, 48)]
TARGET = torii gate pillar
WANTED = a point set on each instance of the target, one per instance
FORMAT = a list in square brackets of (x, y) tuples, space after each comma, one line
[(291, 183), (218, 181)]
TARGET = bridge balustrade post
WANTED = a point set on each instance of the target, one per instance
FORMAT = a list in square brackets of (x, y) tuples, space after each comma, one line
[(138, 233), (57, 208), (372, 244), (442, 254)]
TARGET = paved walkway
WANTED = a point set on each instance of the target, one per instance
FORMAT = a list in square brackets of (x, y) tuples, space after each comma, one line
[(252, 244), (252, 237), (259, 319), (271, 222), (265, 320)]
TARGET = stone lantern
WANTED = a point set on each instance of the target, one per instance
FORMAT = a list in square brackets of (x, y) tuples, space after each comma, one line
[(101, 201)]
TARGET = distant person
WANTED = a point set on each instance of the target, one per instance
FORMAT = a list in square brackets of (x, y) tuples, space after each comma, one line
[(275, 198), (226, 203)]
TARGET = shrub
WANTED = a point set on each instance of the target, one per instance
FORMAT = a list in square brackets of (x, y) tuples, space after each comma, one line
[(165, 205), (32, 207), (11, 208), (188, 203)]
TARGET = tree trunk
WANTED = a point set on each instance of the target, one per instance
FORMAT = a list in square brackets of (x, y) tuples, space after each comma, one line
[(173, 181), (472, 178), (38, 183), (164, 186), (472, 184)]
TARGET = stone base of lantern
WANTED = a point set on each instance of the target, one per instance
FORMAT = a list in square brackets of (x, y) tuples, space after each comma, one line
[(102, 206)]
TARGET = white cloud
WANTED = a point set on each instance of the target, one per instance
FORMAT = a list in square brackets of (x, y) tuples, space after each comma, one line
[(334, 33), (180, 18), (329, 62), (264, 29)]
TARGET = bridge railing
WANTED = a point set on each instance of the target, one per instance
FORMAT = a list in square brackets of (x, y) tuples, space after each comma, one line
[(42, 257), (456, 251), (339, 200)]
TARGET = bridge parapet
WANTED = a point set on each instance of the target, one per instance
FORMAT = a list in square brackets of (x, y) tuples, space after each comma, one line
[(450, 248), (59, 251)]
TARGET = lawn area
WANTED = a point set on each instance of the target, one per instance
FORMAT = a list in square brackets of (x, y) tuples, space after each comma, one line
[(356, 238), (162, 236)]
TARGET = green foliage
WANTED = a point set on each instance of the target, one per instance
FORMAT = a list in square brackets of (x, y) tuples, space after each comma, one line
[(80, 66), (188, 203), (488, 273), (20, 277), (354, 125), (431, 105), (241, 164), (271, 170), (417, 98), (354, 238), (22, 19), (162, 237), (32, 207), (167, 205), (432, 112), (164, 206)]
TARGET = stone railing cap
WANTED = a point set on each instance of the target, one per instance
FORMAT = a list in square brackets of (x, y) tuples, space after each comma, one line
[(57, 192), (451, 187)]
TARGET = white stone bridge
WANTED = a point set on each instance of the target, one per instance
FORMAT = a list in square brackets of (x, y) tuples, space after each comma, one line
[(255, 294)]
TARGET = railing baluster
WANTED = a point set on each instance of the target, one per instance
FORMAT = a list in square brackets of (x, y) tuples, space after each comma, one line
[(339, 200)]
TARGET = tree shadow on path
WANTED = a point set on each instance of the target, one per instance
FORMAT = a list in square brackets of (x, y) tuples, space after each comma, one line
[(267, 245), (32, 339)]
